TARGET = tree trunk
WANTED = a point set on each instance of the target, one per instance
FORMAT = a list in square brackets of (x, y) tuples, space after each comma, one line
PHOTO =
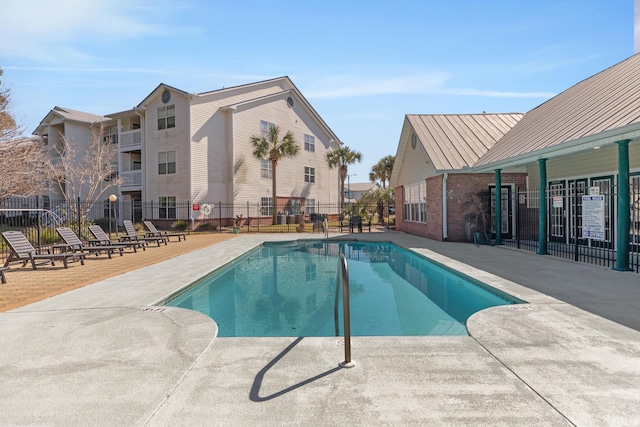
[(273, 192), (343, 177)]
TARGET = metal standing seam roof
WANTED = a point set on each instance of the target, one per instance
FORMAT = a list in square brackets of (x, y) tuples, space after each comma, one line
[(602, 102), (453, 141)]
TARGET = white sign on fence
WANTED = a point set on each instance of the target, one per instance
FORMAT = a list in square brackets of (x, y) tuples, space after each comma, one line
[(593, 217), (557, 201)]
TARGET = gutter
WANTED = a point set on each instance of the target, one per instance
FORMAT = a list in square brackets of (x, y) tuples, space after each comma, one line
[(445, 235)]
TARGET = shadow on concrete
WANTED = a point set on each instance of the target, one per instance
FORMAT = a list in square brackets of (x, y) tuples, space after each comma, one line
[(254, 394)]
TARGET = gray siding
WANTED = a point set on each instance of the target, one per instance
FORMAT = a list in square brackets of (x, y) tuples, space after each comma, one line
[(415, 166), (592, 163)]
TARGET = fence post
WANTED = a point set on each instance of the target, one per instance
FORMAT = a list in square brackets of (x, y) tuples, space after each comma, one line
[(220, 216), (38, 229), (518, 222), (248, 228), (78, 216)]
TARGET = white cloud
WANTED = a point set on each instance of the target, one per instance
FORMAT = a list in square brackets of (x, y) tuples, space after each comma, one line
[(420, 84), (45, 30)]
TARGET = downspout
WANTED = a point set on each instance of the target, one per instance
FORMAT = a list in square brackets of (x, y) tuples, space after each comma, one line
[(445, 235), (190, 201), (143, 156)]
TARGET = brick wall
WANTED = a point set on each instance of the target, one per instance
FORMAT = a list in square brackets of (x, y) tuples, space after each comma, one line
[(461, 195)]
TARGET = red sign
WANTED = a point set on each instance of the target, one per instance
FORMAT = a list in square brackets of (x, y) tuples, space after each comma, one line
[(195, 207)]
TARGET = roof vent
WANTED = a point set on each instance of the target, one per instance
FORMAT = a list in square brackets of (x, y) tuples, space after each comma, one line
[(166, 96)]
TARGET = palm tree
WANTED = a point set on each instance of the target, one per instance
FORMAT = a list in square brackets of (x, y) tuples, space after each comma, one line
[(343, 157), (273, 148), (381, 197), (382, 170)]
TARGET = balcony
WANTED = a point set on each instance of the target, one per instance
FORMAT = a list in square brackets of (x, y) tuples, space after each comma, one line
[(131, 179), (130, 140)]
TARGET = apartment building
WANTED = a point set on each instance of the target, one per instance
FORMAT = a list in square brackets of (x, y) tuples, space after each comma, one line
[(177, 148)]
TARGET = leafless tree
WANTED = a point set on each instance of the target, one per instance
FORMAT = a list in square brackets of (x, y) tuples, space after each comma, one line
[(21, 159), (22, 163), (85, 173)]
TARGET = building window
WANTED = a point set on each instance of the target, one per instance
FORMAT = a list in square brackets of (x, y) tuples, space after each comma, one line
[(265, 168), (166, 117), (264, 128), (166, 162), (110, 134), (266, 206), (310, 206), (309, 174), (167, 207), (415, 202), (309, 143)]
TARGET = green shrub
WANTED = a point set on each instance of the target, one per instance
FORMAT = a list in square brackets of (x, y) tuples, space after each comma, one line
[(49, 236), (206, 226), (180, 225)]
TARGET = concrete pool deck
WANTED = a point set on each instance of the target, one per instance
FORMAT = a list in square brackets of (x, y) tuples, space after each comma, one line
[(105, 354)]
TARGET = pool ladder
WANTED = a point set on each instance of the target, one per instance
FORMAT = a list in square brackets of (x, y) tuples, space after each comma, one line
[(343, 273)]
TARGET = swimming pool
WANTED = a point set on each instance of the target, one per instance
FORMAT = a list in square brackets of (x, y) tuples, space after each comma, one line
[(288, 289)]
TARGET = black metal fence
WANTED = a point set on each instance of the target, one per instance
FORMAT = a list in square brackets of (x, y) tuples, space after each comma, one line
[(582, 221), (38, 217)]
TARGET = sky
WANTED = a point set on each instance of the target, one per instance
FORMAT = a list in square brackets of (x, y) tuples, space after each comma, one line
[(362, 64)]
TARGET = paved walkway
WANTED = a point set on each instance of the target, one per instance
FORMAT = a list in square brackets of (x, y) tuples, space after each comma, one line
[(25, 286), (106, 354)]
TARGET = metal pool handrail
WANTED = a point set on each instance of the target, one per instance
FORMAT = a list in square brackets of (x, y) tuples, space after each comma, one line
[(344, 272)]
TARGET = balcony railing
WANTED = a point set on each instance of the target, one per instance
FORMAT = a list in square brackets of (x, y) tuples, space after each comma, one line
[(131, 178), (131, 138)]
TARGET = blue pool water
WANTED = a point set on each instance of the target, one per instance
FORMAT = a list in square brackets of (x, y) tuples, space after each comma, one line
[(288, 289)]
